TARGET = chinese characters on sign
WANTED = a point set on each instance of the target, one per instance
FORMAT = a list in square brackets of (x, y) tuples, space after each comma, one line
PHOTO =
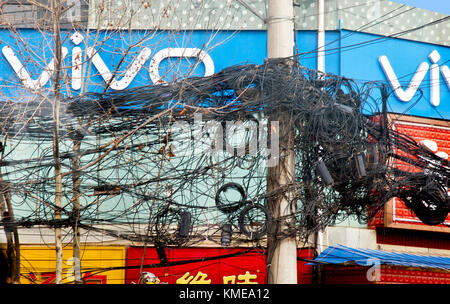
[(204, 265), (201, 278)]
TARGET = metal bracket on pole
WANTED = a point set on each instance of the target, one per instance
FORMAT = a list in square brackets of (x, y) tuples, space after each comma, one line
[(281, 18)]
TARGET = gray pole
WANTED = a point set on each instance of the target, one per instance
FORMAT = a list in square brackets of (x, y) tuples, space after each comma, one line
[(282, 256), (320, 36)]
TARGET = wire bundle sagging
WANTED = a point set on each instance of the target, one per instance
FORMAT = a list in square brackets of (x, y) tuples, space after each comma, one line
[(179, 163)]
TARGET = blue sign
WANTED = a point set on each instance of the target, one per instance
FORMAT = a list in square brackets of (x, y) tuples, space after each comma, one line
[(417, 73), (120, 60)]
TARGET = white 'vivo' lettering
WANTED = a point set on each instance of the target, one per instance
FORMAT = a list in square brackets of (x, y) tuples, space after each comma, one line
[(180, 52), (419, 75), (408, 94), (22, 73), (446, 73), (115, 84), (109, 77)]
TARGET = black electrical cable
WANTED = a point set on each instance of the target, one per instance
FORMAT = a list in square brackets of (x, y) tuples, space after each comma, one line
[(146, 146)]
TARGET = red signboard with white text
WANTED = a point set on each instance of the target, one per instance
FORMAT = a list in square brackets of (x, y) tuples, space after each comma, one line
[(204, 266), (434, 138)]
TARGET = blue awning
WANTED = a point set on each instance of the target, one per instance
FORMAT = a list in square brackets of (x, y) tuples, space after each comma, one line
[(340, 254)]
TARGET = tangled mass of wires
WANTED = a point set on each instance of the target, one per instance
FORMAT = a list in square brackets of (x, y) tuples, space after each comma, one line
[(178, 163)]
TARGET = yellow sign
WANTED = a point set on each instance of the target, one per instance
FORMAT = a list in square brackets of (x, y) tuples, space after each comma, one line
[(38, 263)]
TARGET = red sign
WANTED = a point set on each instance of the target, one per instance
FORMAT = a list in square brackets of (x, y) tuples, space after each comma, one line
[(336, 274), (434, 138), (203, 266)]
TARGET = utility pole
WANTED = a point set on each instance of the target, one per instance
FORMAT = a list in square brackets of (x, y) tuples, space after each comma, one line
[(282, 247), (318, 236), (321, 36)]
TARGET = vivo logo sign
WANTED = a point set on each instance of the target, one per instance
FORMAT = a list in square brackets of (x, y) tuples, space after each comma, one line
[(102, 68), (407, 94)]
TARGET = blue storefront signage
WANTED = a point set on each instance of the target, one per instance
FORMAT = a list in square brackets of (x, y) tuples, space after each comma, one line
[(417, 73)]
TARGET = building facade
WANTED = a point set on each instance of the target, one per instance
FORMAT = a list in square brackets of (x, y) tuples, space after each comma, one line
[(126, 44)]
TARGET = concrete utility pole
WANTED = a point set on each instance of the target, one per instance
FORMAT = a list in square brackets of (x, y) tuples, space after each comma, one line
[(282, 251), (320, 36), (320, 68)]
